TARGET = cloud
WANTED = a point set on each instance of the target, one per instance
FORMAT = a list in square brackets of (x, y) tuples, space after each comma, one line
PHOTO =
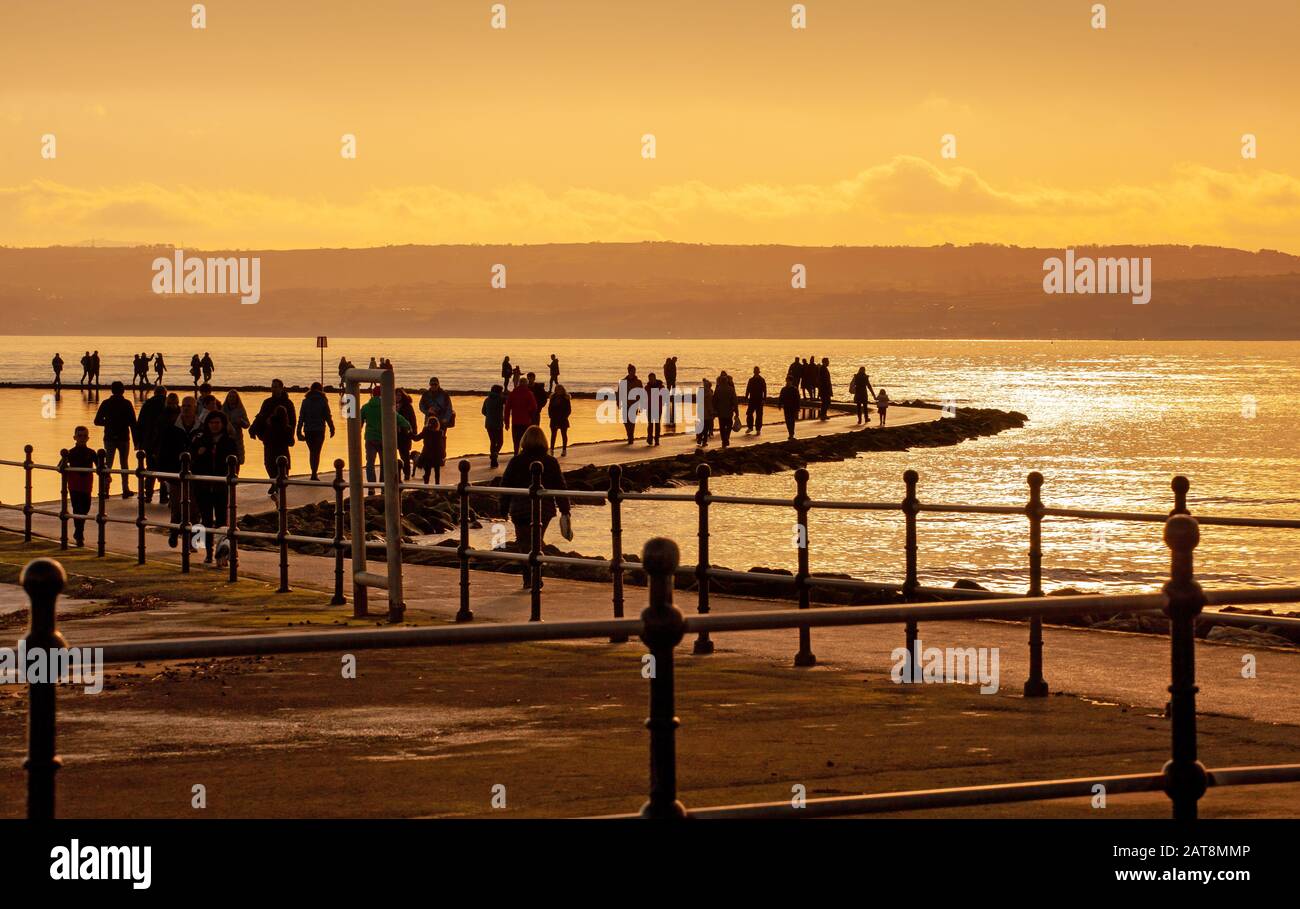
[(901, 201)]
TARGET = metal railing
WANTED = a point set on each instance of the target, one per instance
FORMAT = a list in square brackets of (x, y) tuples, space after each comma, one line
[(801, 584), (662, 627)]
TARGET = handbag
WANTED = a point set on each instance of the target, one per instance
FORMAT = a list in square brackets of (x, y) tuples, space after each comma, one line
[(566, 527), (735, 422)]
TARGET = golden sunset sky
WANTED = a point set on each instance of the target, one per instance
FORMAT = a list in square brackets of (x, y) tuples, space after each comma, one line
[(1066, 134)]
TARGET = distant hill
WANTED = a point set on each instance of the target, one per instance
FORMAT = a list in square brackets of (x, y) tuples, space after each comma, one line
[(657, 290)]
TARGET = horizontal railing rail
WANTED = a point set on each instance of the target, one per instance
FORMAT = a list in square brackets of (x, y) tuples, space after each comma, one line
[(662, 626)]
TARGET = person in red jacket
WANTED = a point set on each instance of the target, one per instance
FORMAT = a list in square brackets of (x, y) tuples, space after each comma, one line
[(521, 412)]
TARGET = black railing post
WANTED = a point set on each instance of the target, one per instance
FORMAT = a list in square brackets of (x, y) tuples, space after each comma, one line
[(663, 626), (27, 497), (1035, 685), (43, 579), (616, 544), (703, 645), (805, 655), (186, 530), (140, 518), (63, 499), (911, 507), (282, 514), (232, 514), (535, 541), (1185, 777), (464, 614), (101, 518), (1180, 486), (339, 485)]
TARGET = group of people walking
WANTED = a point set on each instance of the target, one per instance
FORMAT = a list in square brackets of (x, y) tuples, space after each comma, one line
[(213, 430), (201, 369), (89, 370)]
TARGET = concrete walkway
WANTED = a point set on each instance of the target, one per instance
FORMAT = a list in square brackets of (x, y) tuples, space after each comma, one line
[(1128, 669)]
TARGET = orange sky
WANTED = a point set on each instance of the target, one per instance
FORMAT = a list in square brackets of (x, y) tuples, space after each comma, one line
[(230, 136)]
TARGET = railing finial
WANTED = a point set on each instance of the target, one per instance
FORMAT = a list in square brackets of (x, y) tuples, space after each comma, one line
[(1185, 776), (663, 627), (43, 579)]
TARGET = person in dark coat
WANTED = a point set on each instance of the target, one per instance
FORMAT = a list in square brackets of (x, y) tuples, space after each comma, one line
[(790, 403), (670, 383), (404, 439), (755, 399), (313, 420), (277, 438), (704, 413), (81, 482), (630, 401), (726, 406), (261, 428), (179, 424), (117, 416), (558, 411), (494, 416), (211, 448), (148, 427), (518, 475), (860, 388), (655, 392), (539, 392), (434, 453), (824, 388)]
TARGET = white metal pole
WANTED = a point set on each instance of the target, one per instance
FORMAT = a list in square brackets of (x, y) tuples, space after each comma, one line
[(392, 497)]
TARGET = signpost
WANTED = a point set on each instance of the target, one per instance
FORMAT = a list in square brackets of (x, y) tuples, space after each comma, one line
[(322, 342)]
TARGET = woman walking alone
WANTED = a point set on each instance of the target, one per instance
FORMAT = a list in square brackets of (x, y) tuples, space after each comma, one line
[(314, 418), (559, 410)]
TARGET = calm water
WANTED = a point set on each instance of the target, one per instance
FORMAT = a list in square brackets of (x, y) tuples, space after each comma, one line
[(1110, 423)]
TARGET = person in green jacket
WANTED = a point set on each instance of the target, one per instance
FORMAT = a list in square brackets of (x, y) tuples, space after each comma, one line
[(372, 418)]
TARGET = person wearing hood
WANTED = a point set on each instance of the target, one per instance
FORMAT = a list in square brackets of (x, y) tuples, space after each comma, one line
[(211, 449), (314, 418)]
